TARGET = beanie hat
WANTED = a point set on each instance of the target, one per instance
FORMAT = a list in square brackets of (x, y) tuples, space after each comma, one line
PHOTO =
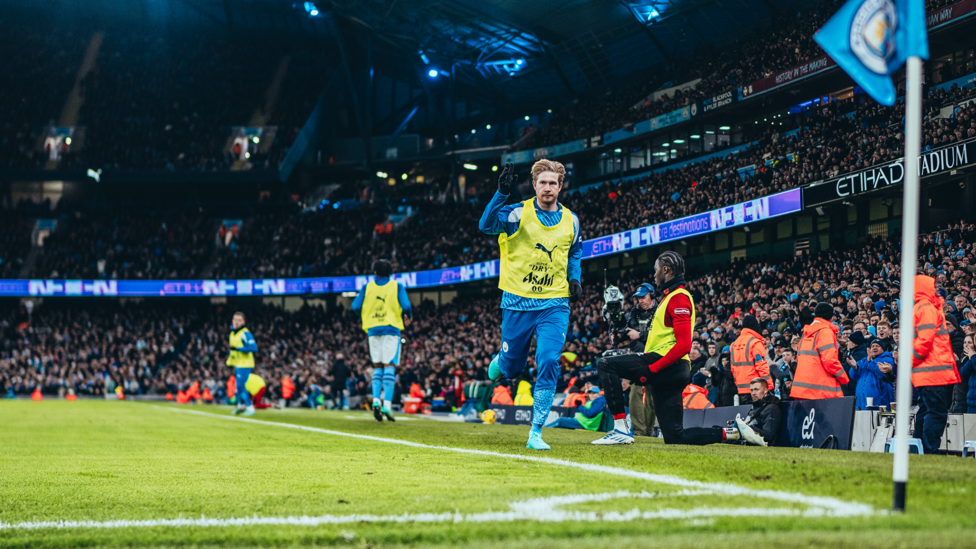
[(879, 342), (824, 311), (750, 322)]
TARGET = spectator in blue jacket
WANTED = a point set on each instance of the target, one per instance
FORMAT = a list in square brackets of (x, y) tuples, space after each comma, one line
[(869, 377), (588, 416)]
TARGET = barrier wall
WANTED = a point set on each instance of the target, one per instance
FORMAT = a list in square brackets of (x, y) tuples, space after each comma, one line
[(806, 423)]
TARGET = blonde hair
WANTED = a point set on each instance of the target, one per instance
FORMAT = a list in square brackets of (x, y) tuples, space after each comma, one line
[(548, 166)]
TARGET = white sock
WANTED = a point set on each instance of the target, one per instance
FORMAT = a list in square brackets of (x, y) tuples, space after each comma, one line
[(376, 403), (250, 408), (388, 404), (621, 425)]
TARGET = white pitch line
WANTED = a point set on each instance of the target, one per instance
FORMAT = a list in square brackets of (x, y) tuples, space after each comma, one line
[(539, 509), (833, 507), (536, 510)]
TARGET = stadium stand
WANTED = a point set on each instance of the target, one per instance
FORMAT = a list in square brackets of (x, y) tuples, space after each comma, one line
[(161, 347), (832, 140), (137, 245), (787, 41), (45, 63)]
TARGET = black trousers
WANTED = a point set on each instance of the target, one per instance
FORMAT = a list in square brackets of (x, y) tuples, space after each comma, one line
[(665, 388), (745, 398), (932, 416)]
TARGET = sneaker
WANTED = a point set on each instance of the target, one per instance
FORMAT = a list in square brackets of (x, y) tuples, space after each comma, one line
[(386, 412), (535, 442), (377, 414), (249, 411), (494, 370), (614, 437), (747, 435)]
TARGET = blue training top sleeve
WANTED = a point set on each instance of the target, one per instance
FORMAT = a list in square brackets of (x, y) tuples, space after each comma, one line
[(250, 346), (573, 269), (496, 220), (357, 304), (404, 300)]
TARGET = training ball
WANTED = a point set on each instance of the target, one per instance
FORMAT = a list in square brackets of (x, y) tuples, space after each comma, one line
[(488, 416)]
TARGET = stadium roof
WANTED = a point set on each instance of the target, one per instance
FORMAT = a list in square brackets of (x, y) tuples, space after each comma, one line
[(534, 50), (526, 50)]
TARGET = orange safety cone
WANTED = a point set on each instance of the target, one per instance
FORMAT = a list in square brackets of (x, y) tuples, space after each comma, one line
[(71, 395), (36, 395)]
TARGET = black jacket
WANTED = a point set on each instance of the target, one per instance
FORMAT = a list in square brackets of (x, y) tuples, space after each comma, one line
[(340, 373), (765, 418), (640, 320), (723, 380)]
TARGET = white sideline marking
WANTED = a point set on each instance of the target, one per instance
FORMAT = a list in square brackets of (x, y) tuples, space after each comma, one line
[(833, 507), (539, 509)]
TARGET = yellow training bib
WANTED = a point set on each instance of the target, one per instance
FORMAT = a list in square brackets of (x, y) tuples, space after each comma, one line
[(381, 306), (660, 338), (534, 259), (254, 384), (238, 359)]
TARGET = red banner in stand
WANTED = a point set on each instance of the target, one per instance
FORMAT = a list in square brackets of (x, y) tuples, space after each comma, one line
[(935, 18), (787, 76)]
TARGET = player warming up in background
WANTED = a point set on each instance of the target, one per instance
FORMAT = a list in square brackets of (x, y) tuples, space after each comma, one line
[(539, 242), (383, 304), (242, 349)]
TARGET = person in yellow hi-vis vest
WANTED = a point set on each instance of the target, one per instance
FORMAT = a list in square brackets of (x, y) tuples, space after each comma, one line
[(385, 310), (241, 358), (539, 271), (664, 367)]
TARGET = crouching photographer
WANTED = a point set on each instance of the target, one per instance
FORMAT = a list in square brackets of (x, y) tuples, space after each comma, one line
[(759, 428)]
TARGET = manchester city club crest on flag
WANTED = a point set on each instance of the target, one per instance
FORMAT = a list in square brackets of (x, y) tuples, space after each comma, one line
[(871, 39), (873, 34)]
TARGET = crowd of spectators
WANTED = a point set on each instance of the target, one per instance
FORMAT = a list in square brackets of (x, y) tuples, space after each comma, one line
[(159, 100), (155, 348), (833, 140), (291, 242), (41, 67), (138, 245), (167, 101), (787, 41), (15, 234)]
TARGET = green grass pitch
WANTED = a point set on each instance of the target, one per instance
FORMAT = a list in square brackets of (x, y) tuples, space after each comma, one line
[(101, 473)]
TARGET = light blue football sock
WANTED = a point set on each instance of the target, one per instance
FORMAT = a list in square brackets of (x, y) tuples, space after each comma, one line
[(540, 408), (378, 374), (389, 381)]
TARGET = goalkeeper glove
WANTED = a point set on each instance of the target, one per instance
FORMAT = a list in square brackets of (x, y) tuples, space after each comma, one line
[(575, 290), (508, 180)]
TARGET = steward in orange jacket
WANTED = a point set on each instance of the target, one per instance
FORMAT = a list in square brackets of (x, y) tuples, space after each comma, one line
[(694, 397), (502, 395), (819, 373), (933, 364), (287, 388), (575, 399), (749, 359)]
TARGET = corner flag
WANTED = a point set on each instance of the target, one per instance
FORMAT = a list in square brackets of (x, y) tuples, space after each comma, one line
[(871, 39)]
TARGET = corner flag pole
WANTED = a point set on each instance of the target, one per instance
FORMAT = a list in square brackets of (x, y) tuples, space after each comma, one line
[(909, 260)]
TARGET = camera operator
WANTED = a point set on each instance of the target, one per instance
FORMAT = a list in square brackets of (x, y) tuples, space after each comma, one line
[(638, 323)]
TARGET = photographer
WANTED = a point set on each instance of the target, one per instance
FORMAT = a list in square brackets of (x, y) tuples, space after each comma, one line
[(638, 323)]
